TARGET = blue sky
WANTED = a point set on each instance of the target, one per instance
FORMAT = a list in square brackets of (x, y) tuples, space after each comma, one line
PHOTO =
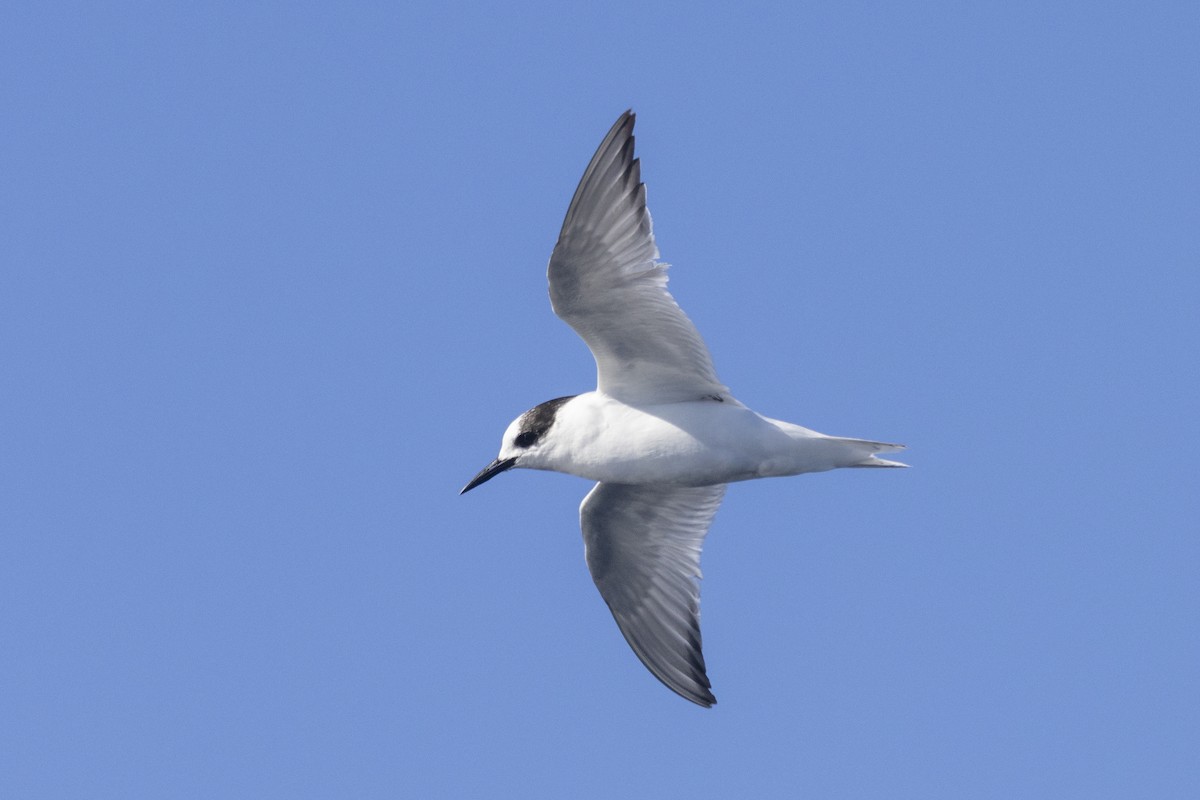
[(273, 284)]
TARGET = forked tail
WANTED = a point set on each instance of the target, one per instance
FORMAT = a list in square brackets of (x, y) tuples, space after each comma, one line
[(869, 451)]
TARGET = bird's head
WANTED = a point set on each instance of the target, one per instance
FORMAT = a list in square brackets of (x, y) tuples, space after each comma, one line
[(523, 442)]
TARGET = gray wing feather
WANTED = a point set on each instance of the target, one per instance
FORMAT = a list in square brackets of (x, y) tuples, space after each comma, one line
[(605, 283), (642, 545)]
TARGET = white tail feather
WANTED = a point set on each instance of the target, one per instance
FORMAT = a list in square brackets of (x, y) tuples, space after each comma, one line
[(872, 448)]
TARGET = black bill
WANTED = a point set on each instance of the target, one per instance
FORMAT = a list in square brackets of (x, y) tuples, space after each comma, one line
[(490, 471)]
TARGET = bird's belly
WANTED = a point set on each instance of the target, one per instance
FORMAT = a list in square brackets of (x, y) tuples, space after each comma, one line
[(654, 449), (676, 466)]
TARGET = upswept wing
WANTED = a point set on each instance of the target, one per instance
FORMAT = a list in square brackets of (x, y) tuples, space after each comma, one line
[(642, 545), (606, 284)]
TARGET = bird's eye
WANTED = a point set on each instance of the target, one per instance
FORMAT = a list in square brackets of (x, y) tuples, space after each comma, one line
[(525, 439)]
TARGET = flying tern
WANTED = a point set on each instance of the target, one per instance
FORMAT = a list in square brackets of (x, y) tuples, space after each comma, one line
[(661, 434)]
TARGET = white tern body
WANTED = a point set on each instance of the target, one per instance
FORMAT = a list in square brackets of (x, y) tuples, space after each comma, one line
[(690, 443)]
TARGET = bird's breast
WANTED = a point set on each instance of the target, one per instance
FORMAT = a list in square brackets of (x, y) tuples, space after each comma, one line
[(687, 444)]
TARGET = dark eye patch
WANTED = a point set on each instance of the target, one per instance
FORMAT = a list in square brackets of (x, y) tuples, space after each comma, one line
[(536, 421)]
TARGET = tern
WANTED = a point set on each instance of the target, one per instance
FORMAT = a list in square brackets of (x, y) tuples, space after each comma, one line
[(661, 434)]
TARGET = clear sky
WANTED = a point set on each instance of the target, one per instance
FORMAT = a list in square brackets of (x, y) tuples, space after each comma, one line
[(272, 283)]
